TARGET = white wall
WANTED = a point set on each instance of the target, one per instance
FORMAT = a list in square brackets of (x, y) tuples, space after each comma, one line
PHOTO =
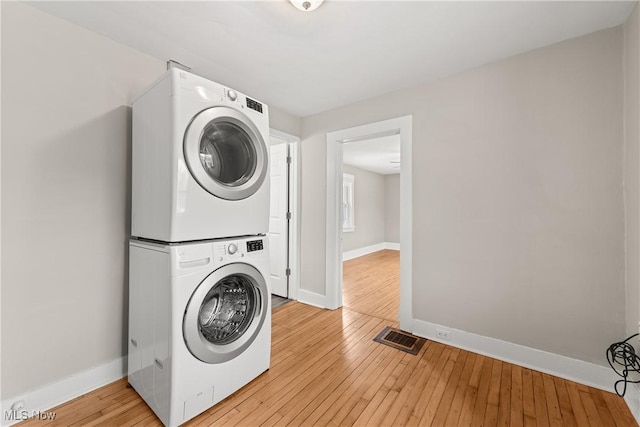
[(392, 208), (517, 203), (65, 195), (369, 204)]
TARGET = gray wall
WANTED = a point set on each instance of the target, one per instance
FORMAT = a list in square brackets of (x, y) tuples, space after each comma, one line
[(65, 187), (284, 122), (65, 195), (631, 166), (392, 208), (517, 200), (369, 203)]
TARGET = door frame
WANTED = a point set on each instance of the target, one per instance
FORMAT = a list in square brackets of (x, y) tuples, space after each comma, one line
[(294, 207), (333, 234)]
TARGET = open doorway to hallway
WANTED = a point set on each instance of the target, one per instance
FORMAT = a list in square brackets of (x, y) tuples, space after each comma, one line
[(401, 126), (371, 225)]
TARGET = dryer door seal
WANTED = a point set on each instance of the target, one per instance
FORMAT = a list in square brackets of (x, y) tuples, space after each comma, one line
[(225, 313), (226, 153)]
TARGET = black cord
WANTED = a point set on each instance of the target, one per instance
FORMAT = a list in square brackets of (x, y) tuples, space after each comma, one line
[(622, 353)]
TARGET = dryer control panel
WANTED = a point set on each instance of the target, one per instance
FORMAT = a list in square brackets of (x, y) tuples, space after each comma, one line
[(254, 105)]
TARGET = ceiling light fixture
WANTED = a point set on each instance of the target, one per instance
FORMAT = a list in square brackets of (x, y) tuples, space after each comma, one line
[(306, 5)]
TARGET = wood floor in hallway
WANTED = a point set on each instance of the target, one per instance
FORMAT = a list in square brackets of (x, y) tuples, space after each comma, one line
[(327, 370), (371, 284)]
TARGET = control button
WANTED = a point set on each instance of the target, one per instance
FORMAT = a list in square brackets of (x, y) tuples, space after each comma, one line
[(232, 248), (232, 94), (221, 258)]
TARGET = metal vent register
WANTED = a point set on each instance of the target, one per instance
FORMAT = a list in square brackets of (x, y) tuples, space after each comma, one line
[(400, 340)]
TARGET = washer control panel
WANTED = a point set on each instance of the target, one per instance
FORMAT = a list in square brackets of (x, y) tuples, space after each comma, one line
[(223, 251), (255, 245), (232, 248)]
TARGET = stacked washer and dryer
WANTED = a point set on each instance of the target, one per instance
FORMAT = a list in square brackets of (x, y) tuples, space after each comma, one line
[(199, 292)]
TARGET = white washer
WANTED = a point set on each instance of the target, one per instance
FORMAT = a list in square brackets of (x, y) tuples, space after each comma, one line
[(199, 161), (199, 322)]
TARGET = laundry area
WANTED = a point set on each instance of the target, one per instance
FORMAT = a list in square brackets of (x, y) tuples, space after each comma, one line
[(308, 212), (199, 293)]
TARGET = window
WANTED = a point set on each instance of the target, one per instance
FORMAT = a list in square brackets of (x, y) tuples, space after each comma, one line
[(348, 208)]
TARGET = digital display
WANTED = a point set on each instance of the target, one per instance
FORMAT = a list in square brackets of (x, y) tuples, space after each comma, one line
[(254, 245), (254, 105)]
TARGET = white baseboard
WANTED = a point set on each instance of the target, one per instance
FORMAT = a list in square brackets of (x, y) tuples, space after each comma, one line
[(56, 393), (356, 253), (561, 366), (392, 246), (632, 398), (311, 298)]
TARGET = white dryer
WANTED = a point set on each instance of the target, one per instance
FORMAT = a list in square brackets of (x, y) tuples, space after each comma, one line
[(199, 322), (199, 161)]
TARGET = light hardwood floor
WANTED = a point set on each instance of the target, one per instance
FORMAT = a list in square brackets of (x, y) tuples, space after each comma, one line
[(371, 284), (327, 370)]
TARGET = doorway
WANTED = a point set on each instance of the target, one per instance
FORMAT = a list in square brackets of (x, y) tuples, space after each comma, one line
[(370, 226), (401, 126), (284, 225)]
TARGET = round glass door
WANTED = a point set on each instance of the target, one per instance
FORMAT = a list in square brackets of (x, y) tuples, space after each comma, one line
[(225, 313), (225, 153)]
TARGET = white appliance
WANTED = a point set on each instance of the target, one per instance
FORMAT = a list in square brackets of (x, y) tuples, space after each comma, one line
[(199, 161), (199, 322)]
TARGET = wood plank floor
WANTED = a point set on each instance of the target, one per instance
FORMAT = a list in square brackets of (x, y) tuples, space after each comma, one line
[(371, 284), (326, 370)]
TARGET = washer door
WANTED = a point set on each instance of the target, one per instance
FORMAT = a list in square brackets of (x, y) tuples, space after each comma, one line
[(226, 153), (225, 313)]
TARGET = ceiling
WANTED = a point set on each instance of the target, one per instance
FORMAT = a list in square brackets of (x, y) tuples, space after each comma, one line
[(380, 155), (345, 51)]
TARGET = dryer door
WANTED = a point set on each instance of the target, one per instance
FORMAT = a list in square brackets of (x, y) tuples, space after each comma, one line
[(225, 313), (226, 153)]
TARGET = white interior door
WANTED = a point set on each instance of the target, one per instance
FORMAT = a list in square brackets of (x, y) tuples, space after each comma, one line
[(278, 224)]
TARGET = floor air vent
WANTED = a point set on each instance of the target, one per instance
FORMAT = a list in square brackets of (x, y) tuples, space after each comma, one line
[(400, 340)]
